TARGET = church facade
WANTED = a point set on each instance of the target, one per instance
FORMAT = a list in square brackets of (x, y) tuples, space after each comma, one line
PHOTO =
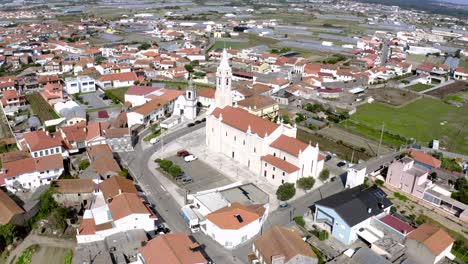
[(268, 149)]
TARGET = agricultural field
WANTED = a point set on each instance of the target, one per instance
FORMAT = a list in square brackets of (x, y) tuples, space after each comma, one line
[(41, 108), (418, 87), (391, 96), (451, 89), (424, 120)]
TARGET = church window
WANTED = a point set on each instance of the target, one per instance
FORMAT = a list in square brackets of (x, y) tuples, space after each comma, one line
[(282, 181), (274, 154), (284, 173), (274, 168), (235, 138), (255, 150), (284, 158), (226, 134), (244, 142), (227, 81), (273, 176)]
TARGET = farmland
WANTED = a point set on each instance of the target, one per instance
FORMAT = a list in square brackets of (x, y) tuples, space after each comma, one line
[(424, 120), (41, 108), (418, 87)]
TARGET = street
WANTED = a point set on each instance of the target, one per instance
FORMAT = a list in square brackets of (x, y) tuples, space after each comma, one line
[(168, 209)]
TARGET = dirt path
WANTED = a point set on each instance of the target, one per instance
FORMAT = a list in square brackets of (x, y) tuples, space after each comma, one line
[(42, 241)]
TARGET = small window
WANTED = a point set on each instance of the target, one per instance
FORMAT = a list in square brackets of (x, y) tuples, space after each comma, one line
[(284, 173), (273, 176), (264, 173), (282, 181), (235, 138), (226, 134), (284, 158), (265, 164), (244, 142), (274, 168), (274, 154), (255, 150)]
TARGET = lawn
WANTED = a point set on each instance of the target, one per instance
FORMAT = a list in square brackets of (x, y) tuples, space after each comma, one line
[(424, 120), (41, 108), (416, 58), (230, 45), (418, 87), (118, 93)]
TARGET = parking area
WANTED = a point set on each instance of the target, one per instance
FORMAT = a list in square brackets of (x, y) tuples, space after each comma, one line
[(94, 100), (204, 176)]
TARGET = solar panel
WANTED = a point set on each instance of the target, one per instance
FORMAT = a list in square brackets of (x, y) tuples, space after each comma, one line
[(379, 194), (239, 218)]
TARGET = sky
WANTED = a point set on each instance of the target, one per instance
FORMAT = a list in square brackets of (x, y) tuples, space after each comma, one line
[(454, 1)]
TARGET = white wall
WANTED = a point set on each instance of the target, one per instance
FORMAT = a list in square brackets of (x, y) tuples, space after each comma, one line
[(46, 152), (230, 238), (33, 180)]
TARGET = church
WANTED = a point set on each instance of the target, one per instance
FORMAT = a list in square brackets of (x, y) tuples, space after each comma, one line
[(268, 149)]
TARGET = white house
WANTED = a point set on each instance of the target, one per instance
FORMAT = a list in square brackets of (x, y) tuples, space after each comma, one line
[(80, 84), (116, 80), (30, 173), (116, 208), (41, 143)]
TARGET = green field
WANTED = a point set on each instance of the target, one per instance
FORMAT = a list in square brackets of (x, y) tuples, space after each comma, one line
[(118, 93), (424, 120), (416, 58), (418, 87), (41, 108)]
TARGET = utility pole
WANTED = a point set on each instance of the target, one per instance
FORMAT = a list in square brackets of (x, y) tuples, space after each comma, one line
[(381, 137)]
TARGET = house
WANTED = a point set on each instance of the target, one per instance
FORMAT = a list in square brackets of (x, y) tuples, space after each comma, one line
[(80, 84), (53, 93), (260, 105), (95, 134), (174, 248), (230, 215), (282, 245), (114, 210), (347, 215), (206, 96), (411, 178), (460, 74), (116, 80), (234, 224), (74, 136), (119, 139), (12, 101), (10, 212), (102, 161), (41, 143), (428, 244), (29, 173), (424, 159), (329, 93), (74, 192)]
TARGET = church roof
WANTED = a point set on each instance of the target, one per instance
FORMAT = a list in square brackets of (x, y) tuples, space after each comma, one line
[(242, 120), (224, 64)]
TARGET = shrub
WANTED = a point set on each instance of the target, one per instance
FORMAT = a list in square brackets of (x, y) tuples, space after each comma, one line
[(299, 221), (324, 175), (174, 170), (165, 164), (322, 235), (285, 191), (84, 164), (306, 183), (400, 196), (393, 209)]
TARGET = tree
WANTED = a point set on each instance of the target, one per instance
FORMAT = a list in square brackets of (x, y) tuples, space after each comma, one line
[(285, 191), (306, 183), (451, 165), (84, 164), (286, 119), (189, 67), (461, 185), (433, 176), (144, 46), (300, 117), (8, 233), (324, 175)]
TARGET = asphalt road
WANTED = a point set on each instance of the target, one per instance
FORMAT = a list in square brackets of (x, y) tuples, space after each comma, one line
[(168, 209)]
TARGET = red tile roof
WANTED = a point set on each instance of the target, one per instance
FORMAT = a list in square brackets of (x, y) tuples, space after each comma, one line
[(225, 218), (39, 140), (434, 238), (8, 208), (280, 163), (116, 185), (424, 158), (123, 77), (174, 248), (207, 92), (28, 165), (289, 144), (242, 120), (141, 90), (126, 204)]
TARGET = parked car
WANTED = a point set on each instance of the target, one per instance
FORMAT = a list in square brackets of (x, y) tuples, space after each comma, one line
[(197, 122), (181, 176), (328, 157), (341, 163), (190, 158), (333, 179), (154, 140), (283, 205), (190, 124), (182, 153), (186, 181)]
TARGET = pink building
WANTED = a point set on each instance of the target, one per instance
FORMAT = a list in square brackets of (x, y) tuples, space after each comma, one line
[(409, 177)]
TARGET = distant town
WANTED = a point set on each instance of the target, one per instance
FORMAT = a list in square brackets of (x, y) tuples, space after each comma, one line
[(198, 132)]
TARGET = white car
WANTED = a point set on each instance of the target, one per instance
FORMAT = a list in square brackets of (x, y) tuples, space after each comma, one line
[(190, 158), (154, 140)]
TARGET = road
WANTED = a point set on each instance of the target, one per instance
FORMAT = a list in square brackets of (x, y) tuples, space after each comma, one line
[(168, 209), (385, 49)]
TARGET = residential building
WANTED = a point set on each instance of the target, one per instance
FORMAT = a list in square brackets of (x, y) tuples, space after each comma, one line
[(74, 192), (460, 74), (102, 161), (424, 159), (12, 102), (230, 215), (115, 208), (71, 112), (41, 143), (282, 245), (10, 212), (119, 139), (347, 215), (80, 84), (428, 244), (116, 80), (411, 178), (260, 105), (206, 96), (174, 248), (29, 173)]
